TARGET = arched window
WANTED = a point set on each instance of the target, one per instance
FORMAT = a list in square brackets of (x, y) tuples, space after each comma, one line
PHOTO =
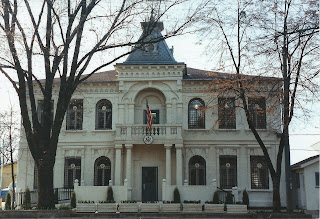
[(197, 170), (196, 114), (102, 171), (104, 114), (75, 115)]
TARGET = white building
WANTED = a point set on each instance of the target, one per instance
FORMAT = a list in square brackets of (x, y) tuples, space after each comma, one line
[(306, 183), (199, 141)]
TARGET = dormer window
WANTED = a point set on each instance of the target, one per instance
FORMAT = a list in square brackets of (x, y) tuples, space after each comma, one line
[(150, 48)]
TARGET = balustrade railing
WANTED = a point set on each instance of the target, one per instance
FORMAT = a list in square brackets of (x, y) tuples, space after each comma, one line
[(156, 130)]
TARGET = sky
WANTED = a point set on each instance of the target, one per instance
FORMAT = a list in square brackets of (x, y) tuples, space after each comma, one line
[(303, 133)]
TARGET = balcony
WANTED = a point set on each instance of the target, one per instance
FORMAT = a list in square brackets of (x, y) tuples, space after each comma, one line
[(158, 132)]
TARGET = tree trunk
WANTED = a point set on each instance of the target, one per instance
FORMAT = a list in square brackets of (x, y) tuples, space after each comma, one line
[(45, 185), (12, 164), (13, 181), (276, 204)]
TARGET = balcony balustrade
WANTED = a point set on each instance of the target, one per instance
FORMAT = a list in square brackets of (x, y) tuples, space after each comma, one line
[(159, 131)]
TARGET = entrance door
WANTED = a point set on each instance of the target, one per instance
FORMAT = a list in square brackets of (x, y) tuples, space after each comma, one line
[(149, 183)]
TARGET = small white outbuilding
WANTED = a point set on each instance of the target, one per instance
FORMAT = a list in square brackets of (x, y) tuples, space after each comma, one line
[(306, 183)]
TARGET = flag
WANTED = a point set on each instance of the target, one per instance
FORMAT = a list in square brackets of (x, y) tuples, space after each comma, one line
[(149, 117)]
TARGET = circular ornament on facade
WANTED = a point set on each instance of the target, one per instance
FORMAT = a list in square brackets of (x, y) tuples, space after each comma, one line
[(74, 107), (149, 47), (259, 165), (72, 166), (103, 108), (197, 165), (148, 139), (228, 165), (102, 166)]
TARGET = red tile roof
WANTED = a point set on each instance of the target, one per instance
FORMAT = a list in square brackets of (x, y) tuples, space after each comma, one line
[(191, 74)]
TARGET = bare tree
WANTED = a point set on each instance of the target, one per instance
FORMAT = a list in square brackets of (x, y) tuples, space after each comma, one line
[(271, 39), (64, 39), (9, 135)]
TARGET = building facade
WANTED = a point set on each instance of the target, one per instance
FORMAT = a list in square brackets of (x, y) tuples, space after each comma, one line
[(6, 174), (306, 183), (198, 141)]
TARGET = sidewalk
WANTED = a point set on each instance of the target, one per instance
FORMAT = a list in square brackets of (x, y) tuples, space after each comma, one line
[(69, 214)]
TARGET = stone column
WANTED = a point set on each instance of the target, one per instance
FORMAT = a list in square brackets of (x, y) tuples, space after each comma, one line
[(83, 169), (121, 114), (179, 113), (131, 113), (169, 117), (117, 169), (235, 194), (129, 163), (168, 163), (179, 164), (243, 163)]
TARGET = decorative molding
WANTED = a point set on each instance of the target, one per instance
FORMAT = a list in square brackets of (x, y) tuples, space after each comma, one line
[(73, 152), (197, 151), (101, 152), (227, 151), (145, 72)]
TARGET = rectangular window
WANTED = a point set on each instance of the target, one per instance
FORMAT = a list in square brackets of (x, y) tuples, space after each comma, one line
[(257, 110), (226, 113), (259, 173), (317, 179), (40, 110), (75, 115), (72, 171), (298, 180), (228, 172), (155, 114)]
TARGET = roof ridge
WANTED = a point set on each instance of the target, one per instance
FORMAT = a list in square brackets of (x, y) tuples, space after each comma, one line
[(305, 160)]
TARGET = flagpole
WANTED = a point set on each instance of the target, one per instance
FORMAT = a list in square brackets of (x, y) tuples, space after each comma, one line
[(149, 118), (1, 161)]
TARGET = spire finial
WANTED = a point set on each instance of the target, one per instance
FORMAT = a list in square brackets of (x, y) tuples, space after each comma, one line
[(152, 16)]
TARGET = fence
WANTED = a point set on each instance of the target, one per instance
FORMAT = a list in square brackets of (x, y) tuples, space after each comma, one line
[(61, 194), (223, 195)]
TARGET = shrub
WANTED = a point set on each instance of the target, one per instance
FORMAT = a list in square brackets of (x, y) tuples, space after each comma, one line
[(215, 199), (108, 201), (229, 198), (168, 202), (64, 207), (86, 201), (150, 202), (8, 202), (192, 201), (27, 199), (73, 200), (128, 201), (176, 196), (245, 198), (110, 194)]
